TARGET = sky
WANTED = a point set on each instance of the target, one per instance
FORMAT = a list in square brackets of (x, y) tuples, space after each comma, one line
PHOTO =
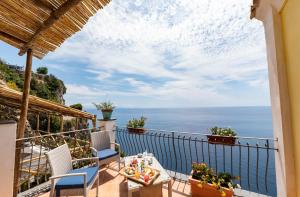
[(171, 53)]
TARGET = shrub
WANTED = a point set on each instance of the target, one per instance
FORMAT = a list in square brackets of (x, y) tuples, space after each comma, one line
[(222, 131), (12, 85), (77, 106), (136, 123), (42, 70)]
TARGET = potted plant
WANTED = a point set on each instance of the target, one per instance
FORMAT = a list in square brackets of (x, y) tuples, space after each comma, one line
[(106, 108), (136, 125), (219, 135), (204, 182)]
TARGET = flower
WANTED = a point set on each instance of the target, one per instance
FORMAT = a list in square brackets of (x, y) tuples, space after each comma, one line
[(204, 174)]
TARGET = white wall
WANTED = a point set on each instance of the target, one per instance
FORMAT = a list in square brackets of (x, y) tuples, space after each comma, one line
[(7, 157)]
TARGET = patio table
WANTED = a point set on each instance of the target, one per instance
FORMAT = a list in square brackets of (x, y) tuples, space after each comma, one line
[(163, 178)]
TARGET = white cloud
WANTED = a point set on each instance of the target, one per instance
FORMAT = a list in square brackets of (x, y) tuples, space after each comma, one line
[(82, 90), (185, 50)]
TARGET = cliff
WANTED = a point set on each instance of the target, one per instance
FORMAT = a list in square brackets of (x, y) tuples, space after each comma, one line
[(45, 86)]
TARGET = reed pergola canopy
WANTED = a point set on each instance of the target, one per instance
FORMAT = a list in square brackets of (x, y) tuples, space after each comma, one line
[(13, 98), (43, 25)]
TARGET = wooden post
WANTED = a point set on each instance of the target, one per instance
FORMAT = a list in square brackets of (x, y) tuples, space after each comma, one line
[(49, 122), (61, 123), (76, 123), (38, 122), (23, 119), (37, 129), (94, 123)]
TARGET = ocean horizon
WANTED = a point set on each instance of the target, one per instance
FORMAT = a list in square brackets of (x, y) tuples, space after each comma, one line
[(250, 121)]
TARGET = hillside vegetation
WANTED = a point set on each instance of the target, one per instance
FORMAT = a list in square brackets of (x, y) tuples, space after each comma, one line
[(42, 85)]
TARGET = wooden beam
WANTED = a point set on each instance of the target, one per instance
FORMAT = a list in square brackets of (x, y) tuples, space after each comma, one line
[(23, 118), (12, 38), (54, 16), (43, 5)]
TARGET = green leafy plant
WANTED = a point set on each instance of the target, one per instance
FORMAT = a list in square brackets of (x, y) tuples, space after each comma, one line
[(105, 106), (223, 131), (136, 123), (42, 70), (204, 174), (77, 106)]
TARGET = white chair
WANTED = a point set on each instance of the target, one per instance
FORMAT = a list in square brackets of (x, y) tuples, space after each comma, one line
[(66, 181), (101, 148)]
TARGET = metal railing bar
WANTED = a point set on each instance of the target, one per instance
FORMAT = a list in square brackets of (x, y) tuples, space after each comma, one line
[(267, 166), (196, 150), (202, 134), (216, 158), (191, 156), (183, 141), (164, 141), (202, 149), (208, 149), (180, 156), (170, 150), (175, 156), (224, 169), (156, 148), (248, 166), (257, 159), (240, 163)]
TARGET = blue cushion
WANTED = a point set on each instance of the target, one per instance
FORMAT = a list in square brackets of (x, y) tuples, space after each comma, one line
[(76, 181), (106, 153)]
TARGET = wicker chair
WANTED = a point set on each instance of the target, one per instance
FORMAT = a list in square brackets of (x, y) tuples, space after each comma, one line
[(101, 148), (67, 181)]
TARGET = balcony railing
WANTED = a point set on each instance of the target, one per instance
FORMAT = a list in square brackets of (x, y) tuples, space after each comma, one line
[(252, 159), (34, 168)]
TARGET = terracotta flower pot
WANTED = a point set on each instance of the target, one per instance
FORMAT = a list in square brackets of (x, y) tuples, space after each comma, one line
[(217, 139), (207, 190), (136, 130)]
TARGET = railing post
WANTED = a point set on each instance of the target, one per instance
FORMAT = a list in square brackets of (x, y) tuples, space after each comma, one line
[(173, 144)]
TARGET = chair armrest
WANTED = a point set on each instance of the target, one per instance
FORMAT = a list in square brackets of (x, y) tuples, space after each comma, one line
[(67, 175), (86, 159), (94, 151), (115, 144)]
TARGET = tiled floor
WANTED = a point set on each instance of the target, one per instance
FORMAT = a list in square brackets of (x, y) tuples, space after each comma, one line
[(114, 185)]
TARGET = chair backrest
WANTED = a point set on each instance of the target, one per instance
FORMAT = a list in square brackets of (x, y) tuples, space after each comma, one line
[(100, 140), (60, 160)]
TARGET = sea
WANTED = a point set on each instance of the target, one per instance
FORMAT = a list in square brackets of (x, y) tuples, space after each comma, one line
[(246, 121)]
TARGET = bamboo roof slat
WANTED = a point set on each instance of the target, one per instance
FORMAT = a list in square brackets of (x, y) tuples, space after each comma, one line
[(43, 25), (13, 98)]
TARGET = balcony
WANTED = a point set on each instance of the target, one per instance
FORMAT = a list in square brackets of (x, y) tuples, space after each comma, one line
[(252, 159)]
